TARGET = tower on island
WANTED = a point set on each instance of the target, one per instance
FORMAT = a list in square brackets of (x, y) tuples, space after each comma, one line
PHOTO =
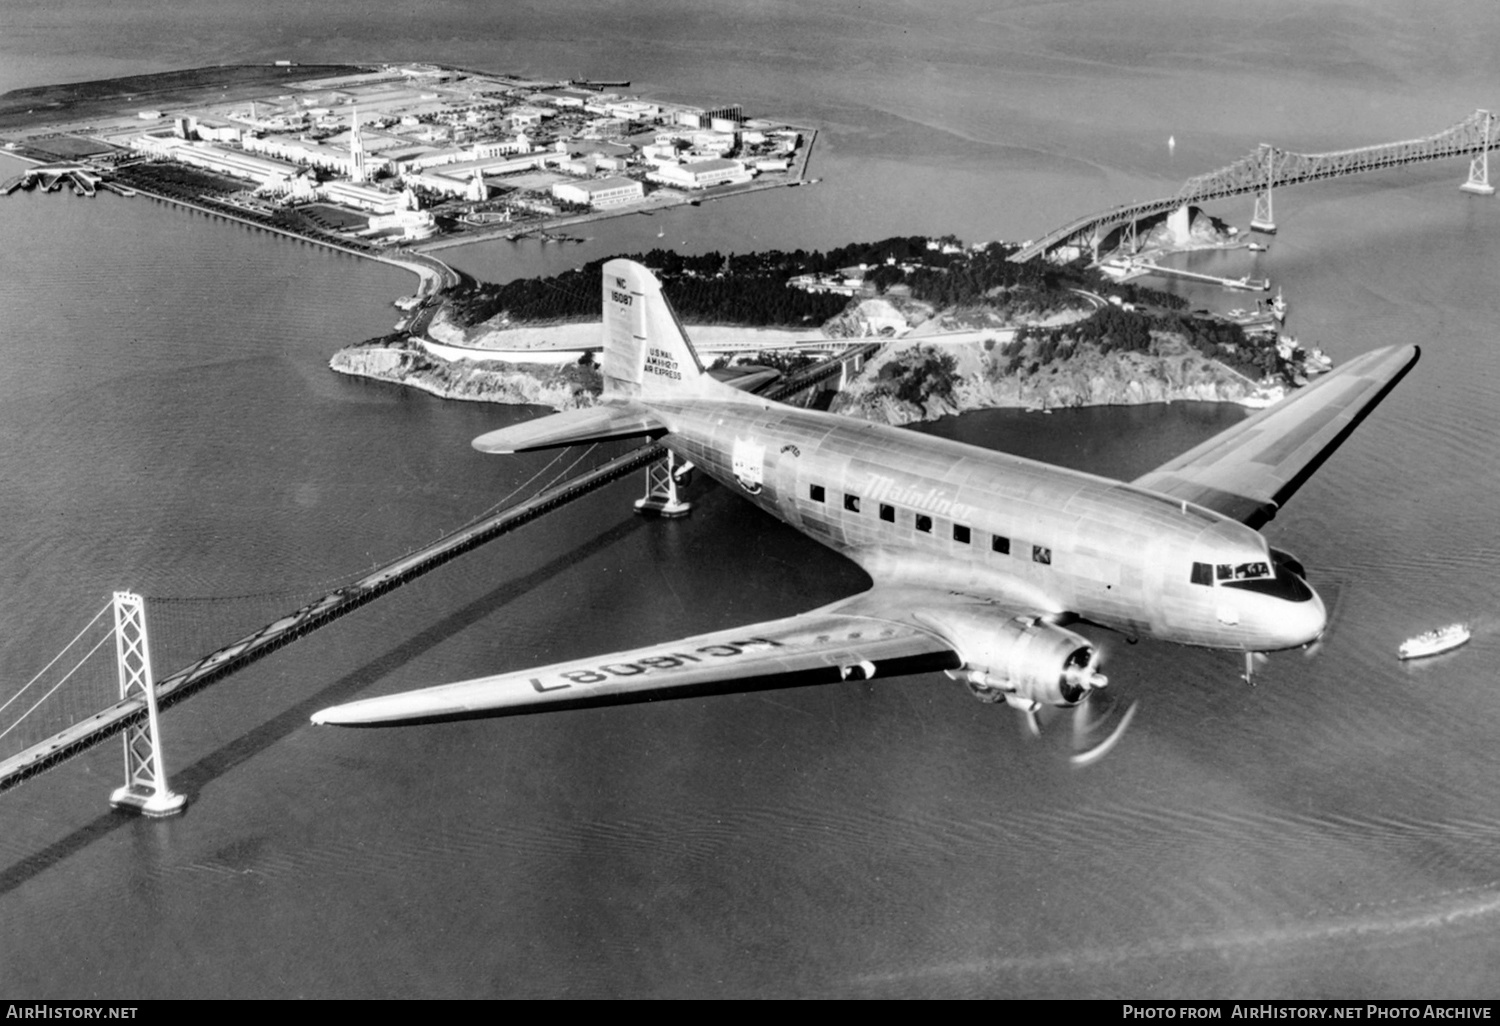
[(356, 148)]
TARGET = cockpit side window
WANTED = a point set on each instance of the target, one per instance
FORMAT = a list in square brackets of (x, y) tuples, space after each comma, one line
[(1203, 573)]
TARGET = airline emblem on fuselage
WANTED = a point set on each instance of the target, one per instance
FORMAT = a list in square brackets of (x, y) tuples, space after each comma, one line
[(749, 463)]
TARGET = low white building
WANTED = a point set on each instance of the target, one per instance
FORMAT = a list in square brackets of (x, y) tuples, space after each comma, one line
[(309, 153), (659, 154), (411, 224), (259, 170), (702, 175), (634, 110), (363, 197), (209, 132), (502, 147), (604, 192)]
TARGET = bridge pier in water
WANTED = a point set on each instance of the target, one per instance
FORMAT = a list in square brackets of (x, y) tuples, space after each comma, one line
[(661, 498)]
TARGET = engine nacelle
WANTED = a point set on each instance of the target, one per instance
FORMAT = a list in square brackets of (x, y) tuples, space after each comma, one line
[(1025, 662)]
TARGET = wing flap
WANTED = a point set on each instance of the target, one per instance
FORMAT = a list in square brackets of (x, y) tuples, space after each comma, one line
[(821, 647), (1250, 470), (572, 427)]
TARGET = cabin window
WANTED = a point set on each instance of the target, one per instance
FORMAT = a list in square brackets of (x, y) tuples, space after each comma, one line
[(1041, 554), (1203, 573), (1000, 544), (815, 493), (961, 534), (851, 503), (924, 523), (887, 512)]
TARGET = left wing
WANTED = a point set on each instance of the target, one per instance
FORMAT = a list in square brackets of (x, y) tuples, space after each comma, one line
[(1249, 471), (854, 639)]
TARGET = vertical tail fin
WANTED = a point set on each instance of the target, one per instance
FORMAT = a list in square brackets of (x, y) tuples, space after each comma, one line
[(647, 355)]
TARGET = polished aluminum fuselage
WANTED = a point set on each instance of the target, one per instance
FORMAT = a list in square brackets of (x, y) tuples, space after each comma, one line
[(914, 509)]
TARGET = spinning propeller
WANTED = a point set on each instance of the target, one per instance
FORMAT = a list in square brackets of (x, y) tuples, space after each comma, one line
[(1099, 719)]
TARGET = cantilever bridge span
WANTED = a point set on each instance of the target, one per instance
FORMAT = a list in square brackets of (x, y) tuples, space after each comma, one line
[(1267, 167)]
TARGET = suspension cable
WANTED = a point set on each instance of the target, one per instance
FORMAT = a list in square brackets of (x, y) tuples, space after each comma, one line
[(55, 658), (54, 687)]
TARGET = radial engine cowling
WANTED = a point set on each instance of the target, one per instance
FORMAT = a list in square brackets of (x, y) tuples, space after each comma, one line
[(1026, 662)]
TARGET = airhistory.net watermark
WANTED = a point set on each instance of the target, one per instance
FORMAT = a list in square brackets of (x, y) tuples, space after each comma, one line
[(44, 1010)]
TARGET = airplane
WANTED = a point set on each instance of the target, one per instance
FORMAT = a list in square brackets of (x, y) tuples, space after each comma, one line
[(981, 561)]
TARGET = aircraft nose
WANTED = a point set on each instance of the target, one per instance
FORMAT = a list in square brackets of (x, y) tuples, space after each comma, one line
[(1304, 622)]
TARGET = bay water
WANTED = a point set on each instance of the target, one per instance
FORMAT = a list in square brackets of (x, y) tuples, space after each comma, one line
[(170, 425)]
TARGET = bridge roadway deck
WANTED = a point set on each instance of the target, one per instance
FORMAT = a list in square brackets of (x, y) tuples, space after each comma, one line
[(220, 664), (1269, 166)]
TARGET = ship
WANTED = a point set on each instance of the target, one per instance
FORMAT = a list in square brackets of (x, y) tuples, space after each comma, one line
[(1278, 307), (1440, 639)]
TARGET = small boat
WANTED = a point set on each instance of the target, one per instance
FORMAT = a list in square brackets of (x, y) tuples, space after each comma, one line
[(1278, 306), (1255, 247), (1440, 639)]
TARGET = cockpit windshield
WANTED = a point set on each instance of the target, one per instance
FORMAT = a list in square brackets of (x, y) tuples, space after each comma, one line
[(1242, 571), (1284, 579)]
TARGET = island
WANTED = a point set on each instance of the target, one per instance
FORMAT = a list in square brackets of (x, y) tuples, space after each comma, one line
[(397, 157), (964, 328)]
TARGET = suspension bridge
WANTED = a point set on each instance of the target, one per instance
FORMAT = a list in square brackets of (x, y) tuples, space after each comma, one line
[(1268, 167), (60, 714)]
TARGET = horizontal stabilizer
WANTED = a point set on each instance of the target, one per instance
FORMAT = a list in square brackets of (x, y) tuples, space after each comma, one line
[(573, 427)]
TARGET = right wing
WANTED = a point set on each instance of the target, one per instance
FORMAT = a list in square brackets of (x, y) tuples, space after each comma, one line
[(1249, 471), (854, 639)]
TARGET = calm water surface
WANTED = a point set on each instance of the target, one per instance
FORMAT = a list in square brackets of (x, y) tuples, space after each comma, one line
[(173, 427)]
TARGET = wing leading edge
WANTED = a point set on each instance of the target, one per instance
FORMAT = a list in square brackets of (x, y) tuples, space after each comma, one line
[(843, 641), (1249, 471)]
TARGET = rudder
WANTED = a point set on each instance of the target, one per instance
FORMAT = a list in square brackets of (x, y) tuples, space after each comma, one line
[(646, 352)]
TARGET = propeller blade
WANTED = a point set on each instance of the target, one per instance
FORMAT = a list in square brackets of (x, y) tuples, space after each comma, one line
[(1088, 724)]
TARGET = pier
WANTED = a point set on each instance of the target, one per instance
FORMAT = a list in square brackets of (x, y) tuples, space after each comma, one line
[(1129, 268), (51, 177)]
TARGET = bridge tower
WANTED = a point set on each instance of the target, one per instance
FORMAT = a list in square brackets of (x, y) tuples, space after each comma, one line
[(145, 787), (1479, 167), (1263, 221)]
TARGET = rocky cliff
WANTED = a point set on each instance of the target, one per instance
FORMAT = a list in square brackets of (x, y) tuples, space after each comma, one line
[(406, 363), (983, 376)]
